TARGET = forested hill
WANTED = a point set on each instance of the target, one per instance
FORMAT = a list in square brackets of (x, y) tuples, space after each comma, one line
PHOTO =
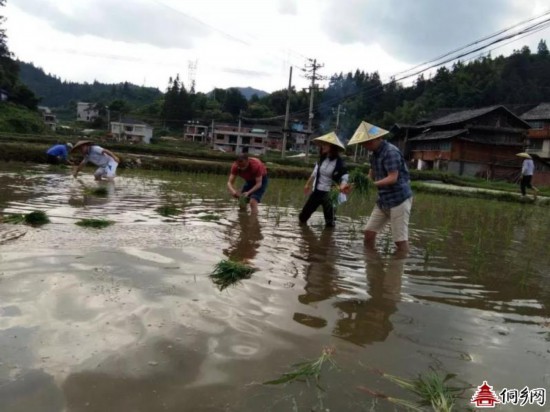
[(523, 78), (57, 93)]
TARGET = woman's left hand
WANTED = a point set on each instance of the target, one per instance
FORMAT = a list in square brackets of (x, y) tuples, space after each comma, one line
[(345, 188)]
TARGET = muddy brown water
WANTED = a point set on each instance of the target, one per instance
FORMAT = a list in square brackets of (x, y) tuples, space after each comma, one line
[(126, 318)]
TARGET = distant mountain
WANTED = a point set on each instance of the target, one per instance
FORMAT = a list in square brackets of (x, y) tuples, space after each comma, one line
[(57, 93), (247, 92)]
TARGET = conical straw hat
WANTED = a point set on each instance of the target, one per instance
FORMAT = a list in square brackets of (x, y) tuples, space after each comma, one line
[(524, 155), (366, 132), (81, 143), (330, 138)]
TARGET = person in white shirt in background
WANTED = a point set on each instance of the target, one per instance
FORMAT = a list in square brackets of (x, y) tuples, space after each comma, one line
[(527, 171), (106, 160)]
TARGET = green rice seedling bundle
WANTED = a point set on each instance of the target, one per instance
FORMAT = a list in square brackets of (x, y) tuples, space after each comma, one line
[(167, 210), (14, 219), (304, 371), (95, 223), (36, 218), (432, 390), (209, 217), (333, 195), (359, 181), (228, 272), (97, 191)]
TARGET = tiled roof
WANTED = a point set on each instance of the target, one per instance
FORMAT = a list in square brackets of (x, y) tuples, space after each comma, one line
[(541, 112), (462, 116), (447, 134)]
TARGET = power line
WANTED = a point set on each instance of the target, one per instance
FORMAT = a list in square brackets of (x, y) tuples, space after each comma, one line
[(529, 30), (475, 42), (312, 74), (224, 33)]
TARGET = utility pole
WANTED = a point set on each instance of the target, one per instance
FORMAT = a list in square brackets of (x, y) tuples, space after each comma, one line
[(239, 132), (286, 131), (339, 110), (313, 76)]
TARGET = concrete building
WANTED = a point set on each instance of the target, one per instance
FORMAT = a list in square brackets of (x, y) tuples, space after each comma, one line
[(50, 120), (195, 132), (85, 112), (231, 138), (129, 130)]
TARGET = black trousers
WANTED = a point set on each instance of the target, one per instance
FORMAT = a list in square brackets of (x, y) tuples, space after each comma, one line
[(316, 199), (53, 160), (525, 184)]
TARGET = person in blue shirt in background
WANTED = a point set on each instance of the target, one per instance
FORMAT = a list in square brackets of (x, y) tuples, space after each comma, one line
[(59, 154)]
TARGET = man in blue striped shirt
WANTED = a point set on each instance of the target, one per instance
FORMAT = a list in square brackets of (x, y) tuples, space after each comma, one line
[(391, 177)]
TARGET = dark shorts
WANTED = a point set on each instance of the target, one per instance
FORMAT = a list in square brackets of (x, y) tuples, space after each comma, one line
[(258, 193)]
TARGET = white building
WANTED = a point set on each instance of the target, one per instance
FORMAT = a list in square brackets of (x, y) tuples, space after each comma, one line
[(85, 112), (135, 131), (244, 140), (50, 120), (194, 132)]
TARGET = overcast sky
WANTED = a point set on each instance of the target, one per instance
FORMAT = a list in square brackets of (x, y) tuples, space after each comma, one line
[(249, 42)]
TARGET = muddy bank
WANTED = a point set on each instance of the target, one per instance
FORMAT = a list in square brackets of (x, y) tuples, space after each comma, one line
[(35, 153)]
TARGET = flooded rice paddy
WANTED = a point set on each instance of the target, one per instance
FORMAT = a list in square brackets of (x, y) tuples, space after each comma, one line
[(126, 318)]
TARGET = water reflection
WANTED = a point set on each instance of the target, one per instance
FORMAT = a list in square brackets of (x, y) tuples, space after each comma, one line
[(367, 321), (244, 245), (321, 273), (97, 194), (92, 301)]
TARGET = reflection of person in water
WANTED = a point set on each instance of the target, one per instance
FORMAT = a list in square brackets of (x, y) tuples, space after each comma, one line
[(321, 273), (245, 246), (90, 196), (367, 321)]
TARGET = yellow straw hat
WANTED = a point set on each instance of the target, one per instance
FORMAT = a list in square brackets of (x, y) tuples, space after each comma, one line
[(331, 138), (366, 132), (81, 143), (524, 155)]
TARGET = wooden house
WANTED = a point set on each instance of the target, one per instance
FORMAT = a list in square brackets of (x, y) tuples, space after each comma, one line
[(480, 142), (539, 142)]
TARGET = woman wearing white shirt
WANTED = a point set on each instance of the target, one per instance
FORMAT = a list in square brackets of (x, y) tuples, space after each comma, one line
[(328, 170), (527, 171)]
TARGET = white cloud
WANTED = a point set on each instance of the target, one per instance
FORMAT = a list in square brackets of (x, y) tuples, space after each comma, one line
[(138, 21), (242, 42), (288, 7), (416, 30)]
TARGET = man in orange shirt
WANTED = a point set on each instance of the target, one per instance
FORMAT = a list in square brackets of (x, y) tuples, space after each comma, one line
[(254, 172)]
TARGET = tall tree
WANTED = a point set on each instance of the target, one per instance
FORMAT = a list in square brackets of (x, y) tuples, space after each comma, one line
[(9, 73), (542, 48)]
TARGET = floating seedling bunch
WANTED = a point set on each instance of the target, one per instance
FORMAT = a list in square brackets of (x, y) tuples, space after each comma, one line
[(94, 223), (229, 272)]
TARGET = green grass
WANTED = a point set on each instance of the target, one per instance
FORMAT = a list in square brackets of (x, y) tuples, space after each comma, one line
[(229, 272), (95, 223)]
